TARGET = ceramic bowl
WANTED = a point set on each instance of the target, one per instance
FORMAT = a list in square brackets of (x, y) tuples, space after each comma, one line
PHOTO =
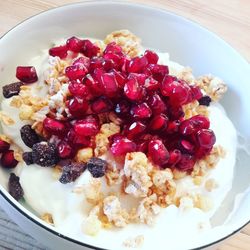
[(187, 42)]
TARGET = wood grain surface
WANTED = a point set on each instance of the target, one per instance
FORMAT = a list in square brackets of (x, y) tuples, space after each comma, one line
[(230, 19)]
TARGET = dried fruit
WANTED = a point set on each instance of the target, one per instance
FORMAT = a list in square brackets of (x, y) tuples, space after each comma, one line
[(97, 167), (29, 136), (27, 157), (205, 100), (4, 146), (14, 187), (12, 89), (45, 154), (8, 160), (72, 171), (26, 74)]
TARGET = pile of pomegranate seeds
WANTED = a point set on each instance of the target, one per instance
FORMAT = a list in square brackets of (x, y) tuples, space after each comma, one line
[(146, 99)]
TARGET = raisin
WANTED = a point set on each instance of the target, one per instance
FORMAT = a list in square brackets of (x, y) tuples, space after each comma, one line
[(27, 157), (205, 100), (45, 154), (12, 89), (29, 136), (97, 167), (15, 188), (72, 171)]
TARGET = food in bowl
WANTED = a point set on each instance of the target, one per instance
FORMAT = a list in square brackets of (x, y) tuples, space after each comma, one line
[(106, 138)]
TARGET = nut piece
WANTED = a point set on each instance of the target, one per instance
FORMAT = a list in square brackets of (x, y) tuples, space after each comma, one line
[(91, 225), (210, 185), (83, 155), (134, 242), (92, 191), (48, 218), (25, 112)]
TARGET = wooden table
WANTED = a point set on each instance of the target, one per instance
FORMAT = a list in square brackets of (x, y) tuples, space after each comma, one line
[(230, 19)]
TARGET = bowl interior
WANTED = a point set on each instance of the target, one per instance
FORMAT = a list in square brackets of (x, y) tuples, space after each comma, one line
[(187, 43)]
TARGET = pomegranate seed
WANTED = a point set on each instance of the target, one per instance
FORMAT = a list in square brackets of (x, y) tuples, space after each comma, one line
[(159, 122), (54, 127), (89, 49), (109, 84), (114, 58), (151, 84), (158, 152), (87, 127), (193, 124), (175, 112), (60, 51), (202, 152), (64, 150), (76, 140), (186, 163), (120, 79), (157, 71), (156, 104), (77, 106), (74, 44), (26, 74), (83, 60), (113, 48), (137, 64), (139, 77), (4, 146), (77, 71), (141, 111), (173, 127), (151, 56), (122, 146), (186, 147), (135, 129), (122, 108), (133, 90), (178, 93), (174, 157), (195, 93), (93, 84), (76, 88), (96, 62), (8, 160), (101, 105), (206, 138)]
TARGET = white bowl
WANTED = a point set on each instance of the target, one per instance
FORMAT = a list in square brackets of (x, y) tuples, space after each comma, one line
[(187, 43)]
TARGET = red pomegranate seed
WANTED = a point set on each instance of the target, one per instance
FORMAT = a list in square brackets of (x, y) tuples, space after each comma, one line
[(186, 147), (119, 77), (174, 157), (158, 152), (96, 62), (76, 88), (156, 104), (133, 90), (151, 84), (26, 74), (122, 146), (87, 127), (64, 150), (113, 48), (173, 126), (109, 84), (151, 56), (4, 146), (195, 93), (141, 111), (54, 127), (83, 60), (60, 51), (135, 129), (77, 71), (8, 160), (177, 92), (76, 140), (186, 163), (122, 108), (139, 77), (157, 71), (193, 124), (206, 138), (77, 106), (175, 112), (202, 152), (159, 122), (101, 105), (116, 59), (137, 64), (89, 49), (93, 84), (74, 44)]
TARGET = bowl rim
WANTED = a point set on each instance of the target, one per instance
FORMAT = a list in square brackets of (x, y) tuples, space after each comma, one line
[(36, 220)]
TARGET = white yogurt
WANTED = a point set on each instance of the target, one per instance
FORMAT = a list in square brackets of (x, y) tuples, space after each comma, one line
[(174, 227)]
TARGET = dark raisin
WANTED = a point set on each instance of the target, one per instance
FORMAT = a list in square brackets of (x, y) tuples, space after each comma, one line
[(29, 136), (14, 186), (205, 100), (72, 171), (12, 89), (27, 157), (45, 154), (97, 167)]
